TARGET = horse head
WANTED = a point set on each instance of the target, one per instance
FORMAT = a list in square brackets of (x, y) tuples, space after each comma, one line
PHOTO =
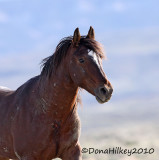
[(85, 66)]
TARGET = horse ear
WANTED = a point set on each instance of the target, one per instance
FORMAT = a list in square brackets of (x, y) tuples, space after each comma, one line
[(76, 37), (91, 34)]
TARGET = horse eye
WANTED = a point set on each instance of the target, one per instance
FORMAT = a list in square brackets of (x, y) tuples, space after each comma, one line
[(81, 60)]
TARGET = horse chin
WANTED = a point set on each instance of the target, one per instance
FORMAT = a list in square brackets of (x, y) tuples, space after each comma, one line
[(100, 101)]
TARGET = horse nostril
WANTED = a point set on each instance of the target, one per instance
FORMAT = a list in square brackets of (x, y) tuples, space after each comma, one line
[(103, 90)]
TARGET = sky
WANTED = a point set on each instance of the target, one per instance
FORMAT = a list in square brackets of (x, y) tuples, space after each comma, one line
[(128, 30)]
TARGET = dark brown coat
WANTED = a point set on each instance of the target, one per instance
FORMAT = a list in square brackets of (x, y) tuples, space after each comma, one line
[(39, 120)]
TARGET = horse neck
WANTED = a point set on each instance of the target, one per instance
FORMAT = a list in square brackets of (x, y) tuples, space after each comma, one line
[(58, 93)]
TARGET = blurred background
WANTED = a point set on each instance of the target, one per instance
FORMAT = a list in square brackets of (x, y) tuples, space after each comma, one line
[(129, 31)]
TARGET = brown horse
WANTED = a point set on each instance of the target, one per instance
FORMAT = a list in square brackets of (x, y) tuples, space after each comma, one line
[(39, 120)]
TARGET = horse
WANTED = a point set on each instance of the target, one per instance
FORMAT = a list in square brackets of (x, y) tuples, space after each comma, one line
[(39, 120)]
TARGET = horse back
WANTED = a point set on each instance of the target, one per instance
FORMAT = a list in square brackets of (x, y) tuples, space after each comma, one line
[(5, 100), (4, 93)]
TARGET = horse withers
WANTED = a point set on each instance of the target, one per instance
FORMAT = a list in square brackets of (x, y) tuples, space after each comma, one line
[(39, 120)]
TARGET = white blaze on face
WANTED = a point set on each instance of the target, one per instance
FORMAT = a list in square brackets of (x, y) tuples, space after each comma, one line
[(95, 58)]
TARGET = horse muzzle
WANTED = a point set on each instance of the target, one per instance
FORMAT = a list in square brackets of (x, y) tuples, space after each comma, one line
[(103, 94)]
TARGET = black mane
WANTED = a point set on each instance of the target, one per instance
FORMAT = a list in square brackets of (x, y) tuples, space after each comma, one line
[(50, 63)]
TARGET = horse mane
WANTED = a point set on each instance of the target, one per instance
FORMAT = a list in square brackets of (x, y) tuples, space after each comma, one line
[(51, 63)]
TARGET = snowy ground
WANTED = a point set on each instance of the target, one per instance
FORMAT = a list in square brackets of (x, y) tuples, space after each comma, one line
[(127, 124)]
